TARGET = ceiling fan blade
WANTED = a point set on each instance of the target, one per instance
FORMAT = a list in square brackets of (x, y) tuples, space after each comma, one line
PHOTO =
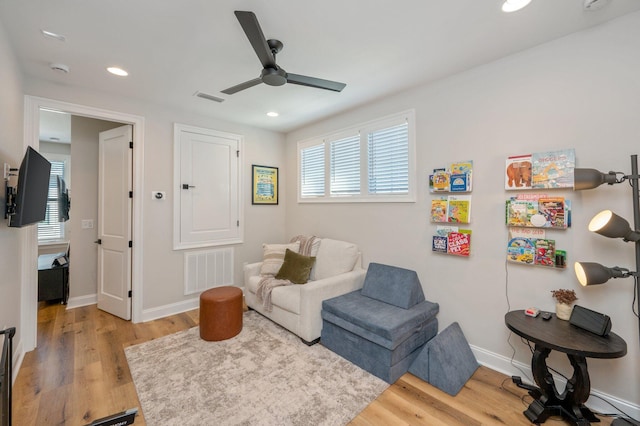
[(252, 29), (242, 86), (318, 83)]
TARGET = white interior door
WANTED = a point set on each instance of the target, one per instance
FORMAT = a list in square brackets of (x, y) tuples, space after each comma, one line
[(114, 221)]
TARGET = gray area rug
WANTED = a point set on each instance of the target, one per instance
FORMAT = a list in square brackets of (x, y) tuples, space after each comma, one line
[(263, 376)]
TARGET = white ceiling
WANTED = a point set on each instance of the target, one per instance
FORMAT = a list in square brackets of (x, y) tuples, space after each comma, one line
[(377, 47)]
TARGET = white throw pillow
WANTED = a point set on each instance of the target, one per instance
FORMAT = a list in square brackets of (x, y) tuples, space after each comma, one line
[(273, 257), (334, 257)]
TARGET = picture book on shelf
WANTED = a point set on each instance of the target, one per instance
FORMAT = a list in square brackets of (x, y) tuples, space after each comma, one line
[(439, 181), (553, 210), (439, 244), (459, 243), (443, 230), (521, 250), (518, 172), (439, 210), (519, 212), (553, 169), (461, 167), (459, 210), (460, 182), (545, 254)]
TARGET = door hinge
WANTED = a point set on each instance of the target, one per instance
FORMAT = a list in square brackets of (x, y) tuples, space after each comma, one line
[(130, 194), (238, 153), (237, 223), (130, 293), (130, 243), (131, 144)]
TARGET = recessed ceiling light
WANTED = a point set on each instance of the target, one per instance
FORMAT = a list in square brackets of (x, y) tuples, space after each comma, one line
[(118, 71), (272, 114), (513, 5), (55, 36)]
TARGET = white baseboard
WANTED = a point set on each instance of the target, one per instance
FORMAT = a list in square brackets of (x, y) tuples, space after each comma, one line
[(514, 368), (76, 302), (18, 357), (171, 309)]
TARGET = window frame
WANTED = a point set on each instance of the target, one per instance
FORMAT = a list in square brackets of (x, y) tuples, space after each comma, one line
[(66, 172), (363, 130)]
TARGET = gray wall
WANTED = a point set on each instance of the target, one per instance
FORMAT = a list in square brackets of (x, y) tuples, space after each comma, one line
[(11, 136), (581, 92)]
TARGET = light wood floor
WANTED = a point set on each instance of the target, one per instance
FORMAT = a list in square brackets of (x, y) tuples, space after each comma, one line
[(79, 373)]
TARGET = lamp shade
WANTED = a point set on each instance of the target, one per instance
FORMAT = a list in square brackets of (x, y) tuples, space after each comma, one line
[(591, 178), (590, 273), (611, 225)]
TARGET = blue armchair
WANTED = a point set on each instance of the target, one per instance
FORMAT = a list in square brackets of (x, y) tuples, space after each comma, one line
[(383, 326)]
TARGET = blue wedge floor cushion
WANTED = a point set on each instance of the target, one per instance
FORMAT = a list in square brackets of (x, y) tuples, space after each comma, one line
[(446, 361), (382, 327)]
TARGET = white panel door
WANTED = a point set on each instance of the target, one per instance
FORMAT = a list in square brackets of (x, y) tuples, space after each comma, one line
[(207, 188), (114, 221)]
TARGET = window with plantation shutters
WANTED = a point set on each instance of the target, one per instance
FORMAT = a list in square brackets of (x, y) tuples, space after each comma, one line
[(50, 228), (345, 166), (370, 162), (388, 159), (312, 171)]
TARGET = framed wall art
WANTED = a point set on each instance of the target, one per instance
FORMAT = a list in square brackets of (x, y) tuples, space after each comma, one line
[(264, 188)]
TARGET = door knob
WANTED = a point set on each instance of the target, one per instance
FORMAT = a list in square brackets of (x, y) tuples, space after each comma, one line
[(187, 186)]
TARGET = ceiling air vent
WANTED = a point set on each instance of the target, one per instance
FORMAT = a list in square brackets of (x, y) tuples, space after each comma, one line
[(208, 97)]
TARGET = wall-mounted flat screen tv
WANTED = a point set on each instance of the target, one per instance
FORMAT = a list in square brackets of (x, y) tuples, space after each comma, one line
[(64, 204), (32, 190)]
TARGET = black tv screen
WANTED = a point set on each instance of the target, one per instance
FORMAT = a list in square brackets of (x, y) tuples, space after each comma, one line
[(63, 200), (32, 190)]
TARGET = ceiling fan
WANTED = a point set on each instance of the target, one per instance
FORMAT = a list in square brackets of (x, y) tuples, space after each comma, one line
[(272, 74)]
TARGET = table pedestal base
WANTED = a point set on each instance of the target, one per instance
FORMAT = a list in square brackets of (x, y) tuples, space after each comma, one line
[(549, 402)]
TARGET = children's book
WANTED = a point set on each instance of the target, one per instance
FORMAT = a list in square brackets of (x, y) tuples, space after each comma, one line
[(521, 250), (459, 243), (443, 230), (553, 210), (545, 252), (460, 182), (553, 169), (519, 212), (518, 172), (461, 167), (459, 210), (439, 181), (439, 244), (439, 210)]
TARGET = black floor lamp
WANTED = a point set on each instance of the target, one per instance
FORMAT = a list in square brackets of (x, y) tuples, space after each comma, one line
[(611, 225)]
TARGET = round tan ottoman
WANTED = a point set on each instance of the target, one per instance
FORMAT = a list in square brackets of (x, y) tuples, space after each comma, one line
[(220, 313)]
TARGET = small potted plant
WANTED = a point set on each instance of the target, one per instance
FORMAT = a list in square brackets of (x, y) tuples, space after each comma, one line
[(564, 301)]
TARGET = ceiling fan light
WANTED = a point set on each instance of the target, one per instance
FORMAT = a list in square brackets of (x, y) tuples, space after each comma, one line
[(514, 5)]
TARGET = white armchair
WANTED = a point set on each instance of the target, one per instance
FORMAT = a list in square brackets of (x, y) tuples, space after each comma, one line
[(337, 271)]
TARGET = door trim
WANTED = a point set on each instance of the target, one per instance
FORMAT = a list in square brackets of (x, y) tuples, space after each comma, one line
[(29, 277)]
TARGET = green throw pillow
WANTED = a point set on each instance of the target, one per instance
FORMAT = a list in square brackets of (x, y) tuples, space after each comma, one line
[(296, 267)]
